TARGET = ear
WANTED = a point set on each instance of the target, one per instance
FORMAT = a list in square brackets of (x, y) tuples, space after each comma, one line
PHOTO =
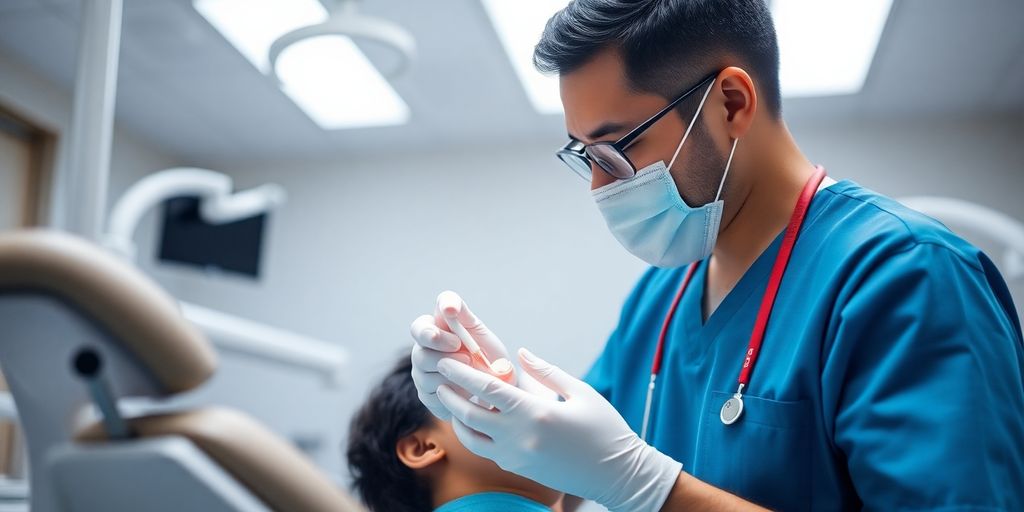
[(419, 449), (740, 100)]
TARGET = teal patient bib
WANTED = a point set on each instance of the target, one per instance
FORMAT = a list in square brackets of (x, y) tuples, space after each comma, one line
[(492, 502)]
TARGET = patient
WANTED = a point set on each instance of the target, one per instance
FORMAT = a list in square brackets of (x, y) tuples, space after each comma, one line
[(403, 459)]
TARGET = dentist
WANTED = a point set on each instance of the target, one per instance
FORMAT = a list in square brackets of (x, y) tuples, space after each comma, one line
[(798, 344)]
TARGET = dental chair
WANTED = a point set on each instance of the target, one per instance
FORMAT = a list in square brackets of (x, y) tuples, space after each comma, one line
[(80, 331)]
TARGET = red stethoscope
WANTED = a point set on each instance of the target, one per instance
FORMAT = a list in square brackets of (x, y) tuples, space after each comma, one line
[(732, 409)]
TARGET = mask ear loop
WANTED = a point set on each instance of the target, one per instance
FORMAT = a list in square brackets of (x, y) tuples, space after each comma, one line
[(726, 173), (688, 128)]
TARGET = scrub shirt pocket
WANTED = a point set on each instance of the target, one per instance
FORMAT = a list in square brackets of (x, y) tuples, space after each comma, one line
[(765, 456)]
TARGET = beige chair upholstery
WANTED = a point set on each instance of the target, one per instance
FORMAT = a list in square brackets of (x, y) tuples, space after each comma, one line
[(118, 297)]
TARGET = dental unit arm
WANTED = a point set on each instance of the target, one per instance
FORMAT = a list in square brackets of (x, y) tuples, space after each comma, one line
[(218, 205)]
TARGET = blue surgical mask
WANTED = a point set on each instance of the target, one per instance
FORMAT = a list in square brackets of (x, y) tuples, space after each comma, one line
[(650, 219)]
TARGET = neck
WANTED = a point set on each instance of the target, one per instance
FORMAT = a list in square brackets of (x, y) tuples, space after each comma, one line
[(780, 174)]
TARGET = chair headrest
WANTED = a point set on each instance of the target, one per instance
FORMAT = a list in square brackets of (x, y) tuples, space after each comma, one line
[(142, 320)]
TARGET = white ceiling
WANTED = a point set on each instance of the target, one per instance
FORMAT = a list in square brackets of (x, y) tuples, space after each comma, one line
[(186, 90)]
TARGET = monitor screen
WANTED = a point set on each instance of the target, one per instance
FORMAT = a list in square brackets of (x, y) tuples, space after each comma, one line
[(187, 239)]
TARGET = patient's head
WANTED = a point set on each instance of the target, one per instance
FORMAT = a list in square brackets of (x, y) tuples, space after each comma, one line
[(402, 458)]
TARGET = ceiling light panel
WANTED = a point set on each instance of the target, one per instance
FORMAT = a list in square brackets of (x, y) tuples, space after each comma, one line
[(328, 77)]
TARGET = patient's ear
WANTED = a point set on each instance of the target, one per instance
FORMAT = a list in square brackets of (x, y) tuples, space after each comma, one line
[(420, 449)]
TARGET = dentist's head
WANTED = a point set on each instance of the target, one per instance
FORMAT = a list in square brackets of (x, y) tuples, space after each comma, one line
[(665, 99)]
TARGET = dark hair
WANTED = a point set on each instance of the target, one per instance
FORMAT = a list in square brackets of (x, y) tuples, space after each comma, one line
[(666, 45), (392, 411)]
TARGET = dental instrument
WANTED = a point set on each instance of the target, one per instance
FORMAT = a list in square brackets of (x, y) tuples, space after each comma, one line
[(501, 367)]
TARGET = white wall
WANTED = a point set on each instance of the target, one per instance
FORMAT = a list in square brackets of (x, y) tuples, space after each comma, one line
[(364, 245), (980, 159)]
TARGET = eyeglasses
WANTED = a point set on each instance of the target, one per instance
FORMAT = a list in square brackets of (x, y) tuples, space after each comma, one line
[(611, 156)]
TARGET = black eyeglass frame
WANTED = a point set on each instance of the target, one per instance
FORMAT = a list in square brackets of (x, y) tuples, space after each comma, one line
[(577, 155)]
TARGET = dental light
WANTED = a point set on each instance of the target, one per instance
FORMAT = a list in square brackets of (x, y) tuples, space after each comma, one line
[(308, 48), (345, 20)]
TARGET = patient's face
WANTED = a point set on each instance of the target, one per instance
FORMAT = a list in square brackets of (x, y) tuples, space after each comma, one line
[(483, 472)]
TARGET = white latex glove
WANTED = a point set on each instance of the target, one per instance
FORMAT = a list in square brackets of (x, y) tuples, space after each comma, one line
[(580, 446), (434, 341)]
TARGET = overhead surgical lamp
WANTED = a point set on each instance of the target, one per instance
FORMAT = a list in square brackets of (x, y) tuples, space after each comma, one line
[(345, 20)]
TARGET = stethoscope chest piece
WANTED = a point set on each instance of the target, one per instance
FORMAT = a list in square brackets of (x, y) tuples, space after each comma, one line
[(732, 409)]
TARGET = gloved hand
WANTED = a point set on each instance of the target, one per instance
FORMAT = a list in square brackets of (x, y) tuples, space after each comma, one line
[(580, 446), (434, 341)]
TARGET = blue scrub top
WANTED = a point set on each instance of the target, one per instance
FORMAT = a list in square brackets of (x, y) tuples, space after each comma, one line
[(890, 376)]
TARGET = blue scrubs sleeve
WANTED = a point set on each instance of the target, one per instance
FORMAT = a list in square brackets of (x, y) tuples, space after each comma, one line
[(923, 386)]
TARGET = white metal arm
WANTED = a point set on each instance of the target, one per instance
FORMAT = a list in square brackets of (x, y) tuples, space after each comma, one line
[(234, 334), (218, 204)]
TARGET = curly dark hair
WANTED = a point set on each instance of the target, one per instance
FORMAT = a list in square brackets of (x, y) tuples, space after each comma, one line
[(392, 411)]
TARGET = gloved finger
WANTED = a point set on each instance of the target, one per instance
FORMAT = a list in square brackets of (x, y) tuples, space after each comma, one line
[(549, 375), (434, 406), (427, 383), (451, 304), (473, 441), (426, 389), (531, 385), (426, 379), (484, 421), (428, 335), (487, 387), (425, 360)]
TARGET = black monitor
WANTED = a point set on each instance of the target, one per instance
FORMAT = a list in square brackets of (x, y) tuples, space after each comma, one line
[(232, 247)]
